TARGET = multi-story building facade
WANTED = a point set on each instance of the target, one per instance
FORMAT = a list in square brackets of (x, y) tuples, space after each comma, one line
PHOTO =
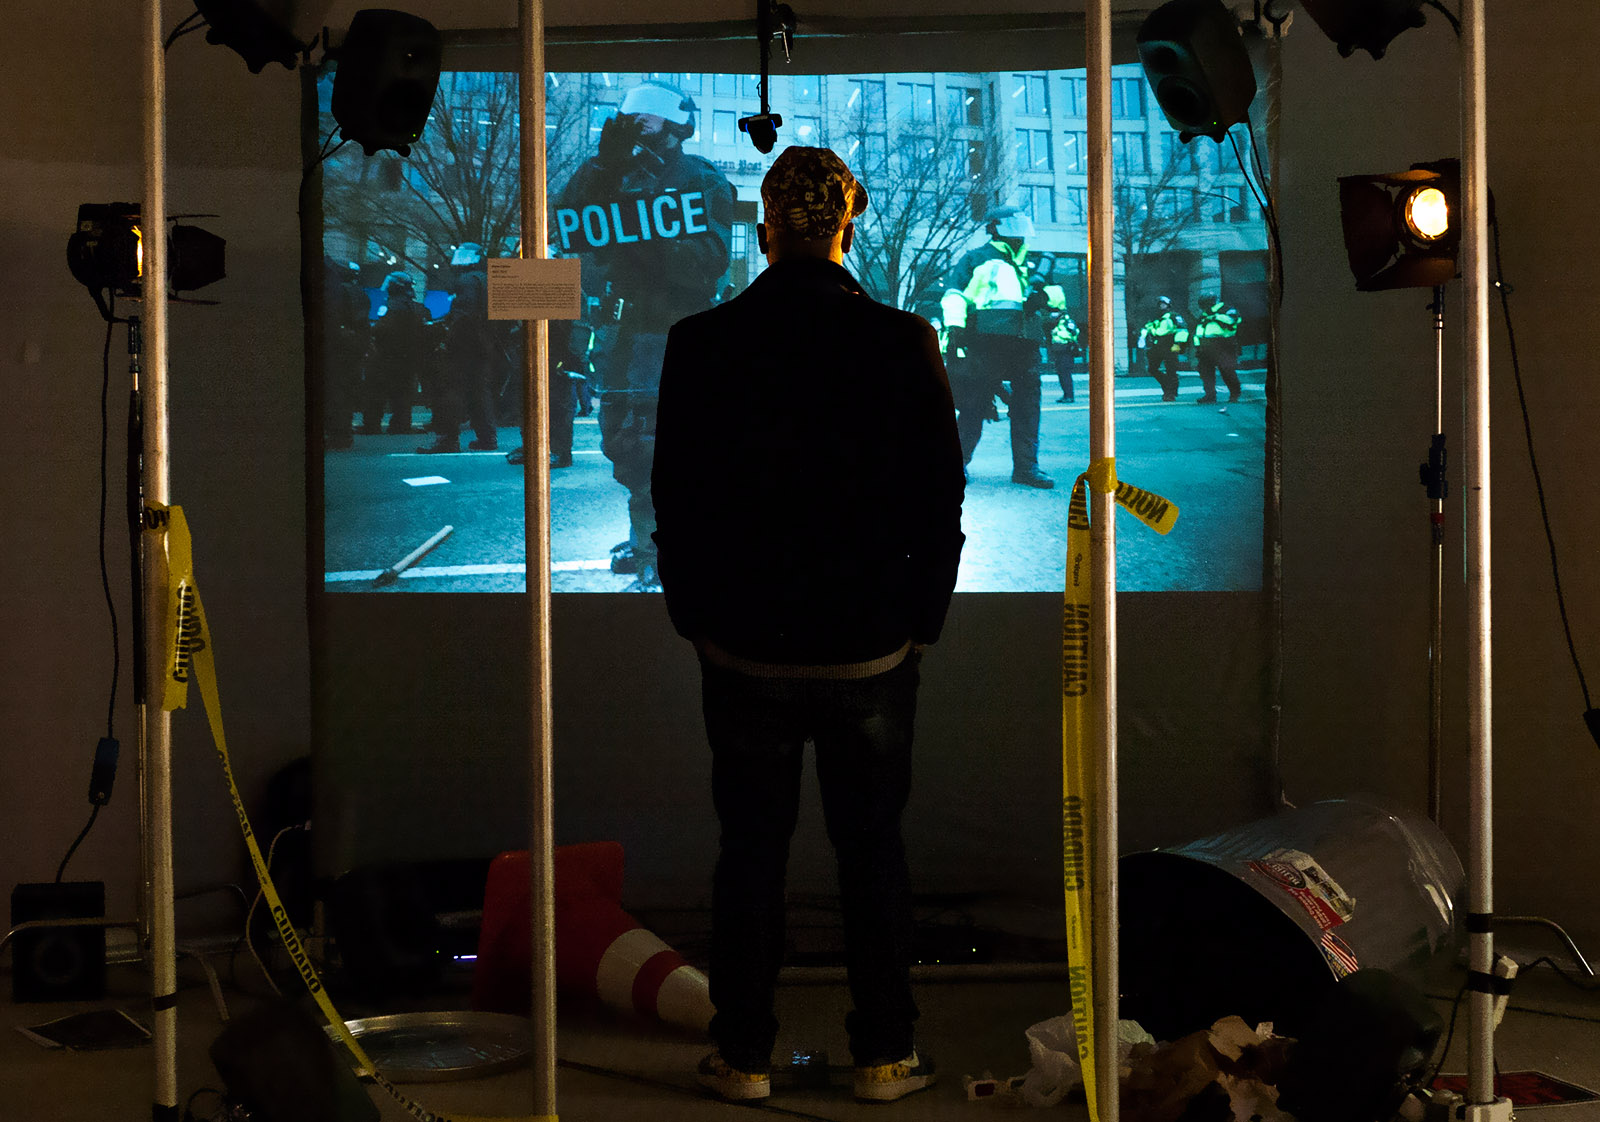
[(937, 151)]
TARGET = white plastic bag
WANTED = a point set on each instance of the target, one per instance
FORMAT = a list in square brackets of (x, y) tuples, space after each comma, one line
[(1053, 1048)]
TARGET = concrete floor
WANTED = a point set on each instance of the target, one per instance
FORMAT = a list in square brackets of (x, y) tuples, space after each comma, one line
[(615, 1067)]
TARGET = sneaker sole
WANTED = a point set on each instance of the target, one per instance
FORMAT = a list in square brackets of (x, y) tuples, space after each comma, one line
[(889, 1092), (737, 1093)]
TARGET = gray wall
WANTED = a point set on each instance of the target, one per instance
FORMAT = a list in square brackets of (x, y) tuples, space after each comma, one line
[(1358, 412)]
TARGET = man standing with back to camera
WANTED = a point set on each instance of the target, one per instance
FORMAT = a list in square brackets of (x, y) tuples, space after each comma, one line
[(654, 225), (835, 456)]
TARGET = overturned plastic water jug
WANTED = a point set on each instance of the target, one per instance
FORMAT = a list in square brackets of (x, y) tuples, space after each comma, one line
[(1262, 921)]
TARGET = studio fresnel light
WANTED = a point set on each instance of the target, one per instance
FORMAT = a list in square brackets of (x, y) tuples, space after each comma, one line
[(106, 254), (1400, 229)]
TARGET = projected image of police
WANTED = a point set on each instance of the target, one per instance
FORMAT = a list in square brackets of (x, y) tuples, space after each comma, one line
[(652, 224), (979, 224)]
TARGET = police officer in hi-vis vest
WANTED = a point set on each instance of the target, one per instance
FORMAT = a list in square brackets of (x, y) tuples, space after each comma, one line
[(653, 226), (1216, 348), (997, 334), (1162, 340)]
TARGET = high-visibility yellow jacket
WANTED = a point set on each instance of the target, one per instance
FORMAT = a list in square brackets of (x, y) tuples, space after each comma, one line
[(986, 290), (1218, 322), (1063, 332)]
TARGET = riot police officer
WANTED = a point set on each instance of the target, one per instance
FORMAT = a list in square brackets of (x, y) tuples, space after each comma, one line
[(1162, 340), (1216, 348), (653, 225), (397, 359), (1063, 345), (471, 361), (990, 320)]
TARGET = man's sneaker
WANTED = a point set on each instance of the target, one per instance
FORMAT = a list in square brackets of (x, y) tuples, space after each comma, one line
[(1034, 478), (883, 1083), (719, 1077)]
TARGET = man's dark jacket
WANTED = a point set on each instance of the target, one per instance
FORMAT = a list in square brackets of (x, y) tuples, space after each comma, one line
[(808, 477)]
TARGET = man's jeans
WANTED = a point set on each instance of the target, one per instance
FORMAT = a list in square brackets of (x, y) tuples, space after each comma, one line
[(861, 732)]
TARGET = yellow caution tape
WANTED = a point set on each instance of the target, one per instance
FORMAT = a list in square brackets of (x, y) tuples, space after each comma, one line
[(1079, 799), (189, 654)]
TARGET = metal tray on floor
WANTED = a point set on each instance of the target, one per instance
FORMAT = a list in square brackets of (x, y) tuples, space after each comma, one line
[(444, 1046)]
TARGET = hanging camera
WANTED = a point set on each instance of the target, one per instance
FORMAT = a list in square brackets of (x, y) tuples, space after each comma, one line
[(762, 129)]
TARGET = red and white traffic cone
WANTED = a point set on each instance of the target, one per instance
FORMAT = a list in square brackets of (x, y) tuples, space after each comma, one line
[(601, 950)]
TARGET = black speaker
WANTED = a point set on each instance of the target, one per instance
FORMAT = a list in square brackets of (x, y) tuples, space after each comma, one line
[(58, 963), (1197, 65), (279, 1064), (1367, 24), (387, 75)]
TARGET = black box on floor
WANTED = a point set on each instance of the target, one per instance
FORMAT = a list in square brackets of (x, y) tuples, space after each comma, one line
[(58, 963)]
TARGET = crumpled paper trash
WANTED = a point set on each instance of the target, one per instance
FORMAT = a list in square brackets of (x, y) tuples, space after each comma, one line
[(1226, 1073)]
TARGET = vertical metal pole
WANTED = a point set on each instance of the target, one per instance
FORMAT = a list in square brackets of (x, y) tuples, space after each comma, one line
[(157, 489), (1436, 540), (1103, 565), (536, 515), (1475, 275)]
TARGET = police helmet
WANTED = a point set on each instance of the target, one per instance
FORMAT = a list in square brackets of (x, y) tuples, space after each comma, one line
[(1164, 300), (663, 100), (467, 253), (1010, 222), (398, 279)]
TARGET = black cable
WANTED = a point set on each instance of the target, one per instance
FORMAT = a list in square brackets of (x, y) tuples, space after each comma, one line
[(1455, 22), (73, 848), (1533, 462), (185, 26), (1449, 1035), (1590, 986), (105, 575), (325, 154), (1269, 211)]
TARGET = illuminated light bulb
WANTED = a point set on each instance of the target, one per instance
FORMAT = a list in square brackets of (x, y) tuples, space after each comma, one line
[(1427, 214)]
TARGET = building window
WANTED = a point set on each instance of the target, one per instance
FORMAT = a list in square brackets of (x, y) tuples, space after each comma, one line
[(805, 87), (1178, 158), (740, 243), (1174, 205), (1076, 209), (808, 131), (1127, 98), (749, 85), (977, 159), (918, 99), (1040, 203), (963, 105), (1033, 150), (1225, 203), (1030, 94), (724, 85), (1075, 97), (871, 154), (724, 127), (1075, 153), (1129, 154), (866, 101)]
